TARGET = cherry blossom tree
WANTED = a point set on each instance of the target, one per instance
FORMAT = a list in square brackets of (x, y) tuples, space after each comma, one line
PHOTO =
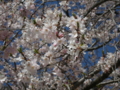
[(59, 44)]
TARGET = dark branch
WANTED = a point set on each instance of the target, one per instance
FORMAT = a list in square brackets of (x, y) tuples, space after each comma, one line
[(102, 77), (98, 80), (95, 5), (94, 48)]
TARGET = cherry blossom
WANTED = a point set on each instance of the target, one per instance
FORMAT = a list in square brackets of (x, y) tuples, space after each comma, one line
[(59, 45)]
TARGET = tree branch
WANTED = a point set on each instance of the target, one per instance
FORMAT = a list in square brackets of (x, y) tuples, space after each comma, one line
[(108, 82), (95, 5), (98, 80), (77, 83), (94, 48), (102, 77)]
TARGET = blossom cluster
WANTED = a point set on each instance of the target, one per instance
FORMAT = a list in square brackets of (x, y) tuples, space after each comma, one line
[(105, 63), (44, 48)]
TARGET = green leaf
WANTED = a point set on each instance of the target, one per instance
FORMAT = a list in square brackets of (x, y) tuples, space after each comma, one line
[(20, 50), (34, 22), (78, 25), (11, 55), (83, 36), (103, 53), (74, 16), (36, 51), (60, 15)]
